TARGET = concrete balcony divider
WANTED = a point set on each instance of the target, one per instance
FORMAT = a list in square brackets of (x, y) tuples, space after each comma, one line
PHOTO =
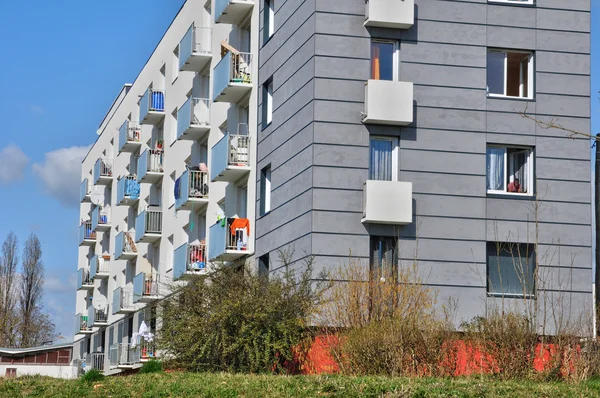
[(130, 137), (232, 11), (152, 106), (195, 50), (388, 102), (230, 158), (387, 202), (193, 119), (393, 14), (232, 77)]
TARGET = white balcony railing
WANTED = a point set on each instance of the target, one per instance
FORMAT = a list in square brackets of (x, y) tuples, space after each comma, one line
[(95, 361), (125, 354)]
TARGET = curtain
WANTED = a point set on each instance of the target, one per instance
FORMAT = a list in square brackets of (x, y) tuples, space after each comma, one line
[(380, 167), (375, 61), (495, 169), (383, 258), (519, 168)]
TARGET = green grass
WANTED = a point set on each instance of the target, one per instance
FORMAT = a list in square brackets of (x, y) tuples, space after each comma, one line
[(226, 385)]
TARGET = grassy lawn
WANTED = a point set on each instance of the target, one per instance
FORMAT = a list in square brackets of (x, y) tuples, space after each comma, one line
[(226, 385)]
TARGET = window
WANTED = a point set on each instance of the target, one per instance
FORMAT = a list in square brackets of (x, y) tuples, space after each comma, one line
[(242, 201), (384, 60), (263, 265), (510, 73), (509, 170), (384, 259), (265, 190), (510, 269), (175, 65), (512, 1), (268, 20), (383, 163), (267, 103)]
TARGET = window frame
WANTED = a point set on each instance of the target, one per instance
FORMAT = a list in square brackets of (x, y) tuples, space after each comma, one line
[(267, 103), (268, 20), (530, 171), (530, 75), (532, 294), (395, 152), (515, 2), (395, 57), (265, 190)]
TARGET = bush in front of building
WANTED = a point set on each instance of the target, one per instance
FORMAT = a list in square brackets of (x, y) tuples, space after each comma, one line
[(235, 320), (152, 366), (92, 376)]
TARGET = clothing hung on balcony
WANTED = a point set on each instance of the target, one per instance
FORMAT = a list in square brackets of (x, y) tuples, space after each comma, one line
[(240, 223), (132, 188), (177, 187)]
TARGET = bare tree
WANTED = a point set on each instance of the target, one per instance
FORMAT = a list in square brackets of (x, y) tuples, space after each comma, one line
[(35, 326), (8, 271)]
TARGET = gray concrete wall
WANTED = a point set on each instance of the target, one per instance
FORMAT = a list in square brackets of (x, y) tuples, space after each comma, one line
[(318, 147)]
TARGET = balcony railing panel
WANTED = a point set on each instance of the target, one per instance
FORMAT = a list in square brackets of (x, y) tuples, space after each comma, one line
[(99, 217), (123, 300), (189, 258), (229, 241), (192, 185), (231, 155), (130, 136), (98, 315), (196, 43), (150, 161), (193, 118), (148, 222), (86, 233), (83, 278), (232, 77), (81, 324), (95, 361), (128, 189), (153, 101), (145, 287), (85, 190), (232, 11), (102, 170), (124, 245)]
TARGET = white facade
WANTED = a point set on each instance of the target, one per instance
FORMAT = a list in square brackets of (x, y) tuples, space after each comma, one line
[(172, 223)]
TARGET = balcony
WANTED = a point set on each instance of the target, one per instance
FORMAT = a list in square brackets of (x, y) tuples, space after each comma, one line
[(191, 190), (81, 325), (388, 102), (230, 158), (95, 361), (230, 241), (85, 190), (123, 300), (145, 288), (152, 106), (148, 226), (103, 172), (130, 137), (125, 248), (100, 220), (232, 11), (394, 14), (125, 356), (387, 202), (232, 77), (195, 49), (150, 166), (84, 281), (189, 259), (99, 268), (87, 236), (128, 190), (193, 119), (98, 317)]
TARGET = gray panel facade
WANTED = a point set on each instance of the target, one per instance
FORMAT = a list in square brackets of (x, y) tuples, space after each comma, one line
[(318, 148)]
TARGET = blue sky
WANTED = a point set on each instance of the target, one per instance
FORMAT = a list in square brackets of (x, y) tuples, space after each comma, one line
[(62, 63)]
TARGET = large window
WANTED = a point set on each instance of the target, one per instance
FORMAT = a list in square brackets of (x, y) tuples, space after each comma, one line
[(268, 20), (265, 190), (510, 269), (384, 60), (509, 170), (510, 73), (383, 158), (384, 259)]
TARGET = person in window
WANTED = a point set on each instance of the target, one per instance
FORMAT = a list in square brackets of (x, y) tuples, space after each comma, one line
[(515, 186)]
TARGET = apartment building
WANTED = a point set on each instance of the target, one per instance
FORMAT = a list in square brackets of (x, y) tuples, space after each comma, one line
[(167, 179), (385, 133), (389, 133)]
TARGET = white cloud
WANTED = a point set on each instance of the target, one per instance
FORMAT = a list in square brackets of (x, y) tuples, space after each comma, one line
[(60, 174), (13, 162), (37, 109)]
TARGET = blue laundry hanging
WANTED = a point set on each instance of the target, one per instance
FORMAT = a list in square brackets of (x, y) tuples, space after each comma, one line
[(177, 186), (158, 101), (132, 188)]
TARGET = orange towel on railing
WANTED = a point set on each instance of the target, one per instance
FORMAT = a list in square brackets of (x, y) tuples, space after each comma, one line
[(240, 223)]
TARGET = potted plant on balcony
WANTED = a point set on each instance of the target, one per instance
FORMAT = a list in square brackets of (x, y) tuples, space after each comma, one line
[(159, 145)]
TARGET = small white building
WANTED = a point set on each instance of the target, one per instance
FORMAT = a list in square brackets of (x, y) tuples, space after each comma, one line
[(51, 360)]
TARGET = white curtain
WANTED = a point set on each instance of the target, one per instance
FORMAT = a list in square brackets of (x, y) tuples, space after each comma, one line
[(495, 169), (380, 167)]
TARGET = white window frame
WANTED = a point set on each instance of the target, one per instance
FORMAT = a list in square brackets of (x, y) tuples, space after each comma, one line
[(396, 56), (265, 194), (395, 151), (269, 102), (271, 27), (530, 171), (530, 74)]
